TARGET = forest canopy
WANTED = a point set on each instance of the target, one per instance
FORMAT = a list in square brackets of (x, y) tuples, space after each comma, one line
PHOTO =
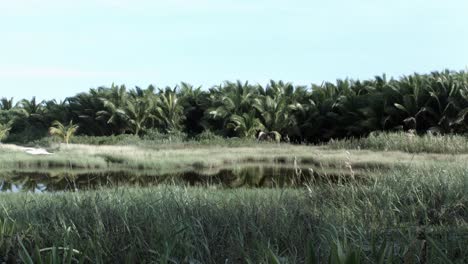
[(435, 102)]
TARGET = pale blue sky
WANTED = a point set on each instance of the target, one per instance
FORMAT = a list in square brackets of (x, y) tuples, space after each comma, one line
[(57, 48)]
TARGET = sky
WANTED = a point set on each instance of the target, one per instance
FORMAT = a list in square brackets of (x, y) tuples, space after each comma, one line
[(57, 48)]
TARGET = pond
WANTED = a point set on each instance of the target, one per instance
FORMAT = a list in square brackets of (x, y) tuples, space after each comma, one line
[(259, 176)]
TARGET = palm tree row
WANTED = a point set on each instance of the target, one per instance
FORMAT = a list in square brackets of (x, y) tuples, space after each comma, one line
[(436, 102)]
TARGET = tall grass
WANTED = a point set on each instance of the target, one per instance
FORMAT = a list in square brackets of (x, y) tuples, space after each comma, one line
[(153, 140), (406, 214), (408, 142), (189, 158)]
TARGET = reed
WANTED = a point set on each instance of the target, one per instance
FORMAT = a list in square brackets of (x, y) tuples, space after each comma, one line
[(406, 214)]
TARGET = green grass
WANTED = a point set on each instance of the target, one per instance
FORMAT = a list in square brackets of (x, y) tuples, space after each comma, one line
[(210, 157), (151, 140), (410, 205), (407, 142), (400, 210)]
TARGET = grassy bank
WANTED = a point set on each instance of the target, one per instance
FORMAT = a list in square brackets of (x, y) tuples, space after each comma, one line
[(407, 142), (210, 157), (405, 214), (403, 199)]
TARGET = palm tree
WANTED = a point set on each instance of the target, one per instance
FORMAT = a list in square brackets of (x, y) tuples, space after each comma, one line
[(245, 125), (449, 94), (114, 100), (5, 129), (30, 121), (194, 102), (85, 110), (137, 112), (316, 118), (355, 112), (169, 111), (54, 110), (32, 108), (274, 113), (62, 131), (6, 104), (227, 100), (347, 108), (376, 97)]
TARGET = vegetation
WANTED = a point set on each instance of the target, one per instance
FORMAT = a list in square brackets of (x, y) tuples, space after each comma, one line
[(370, 207), (403, 215), (63, 132), (4, 130), (436, 102), (166, 175), (407, 142), (183, 157)]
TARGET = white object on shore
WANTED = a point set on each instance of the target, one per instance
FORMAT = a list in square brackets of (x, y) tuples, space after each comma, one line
[(30, 151), (36, 151)]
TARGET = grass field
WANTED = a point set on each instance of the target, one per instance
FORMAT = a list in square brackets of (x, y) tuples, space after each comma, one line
[(401, 211), (188, 157), (407, 142), (410, 206)]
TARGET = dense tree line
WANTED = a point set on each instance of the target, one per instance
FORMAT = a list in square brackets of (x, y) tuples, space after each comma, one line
[(435, 102)]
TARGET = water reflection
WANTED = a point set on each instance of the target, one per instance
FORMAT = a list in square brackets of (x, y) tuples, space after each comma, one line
[(251, 176)]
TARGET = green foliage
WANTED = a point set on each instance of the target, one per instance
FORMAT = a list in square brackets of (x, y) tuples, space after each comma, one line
[(4, 130), (340, 254), (435, 102), (208, 135), (62, 131), (169, 111), (404, 214), (194, 102), (125, 139), (157, 137), (245, 125), (408, 142), (7, 239), (6, 104)]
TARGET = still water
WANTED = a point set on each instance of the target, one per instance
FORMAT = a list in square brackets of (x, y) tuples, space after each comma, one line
[(248, 176)]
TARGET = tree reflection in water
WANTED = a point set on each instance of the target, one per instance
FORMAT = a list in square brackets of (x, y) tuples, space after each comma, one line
[(73, 180)]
